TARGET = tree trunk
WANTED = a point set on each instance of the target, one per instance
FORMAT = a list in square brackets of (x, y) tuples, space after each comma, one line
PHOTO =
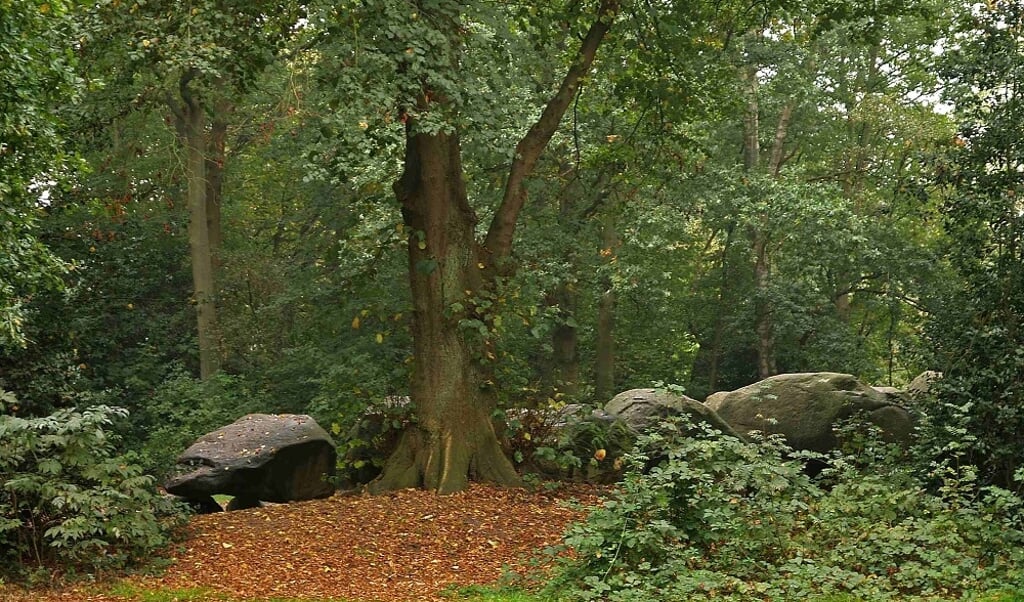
[(450, 274), (204, 290), (565, 374), (604, 368), (719, 321), (453, 438), (764, 327), (215, 159)]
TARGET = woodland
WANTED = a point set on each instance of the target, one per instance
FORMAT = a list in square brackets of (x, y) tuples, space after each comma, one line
[(215, 207)]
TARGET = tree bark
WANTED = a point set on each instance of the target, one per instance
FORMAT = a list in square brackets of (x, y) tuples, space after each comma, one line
[(215, 160), (190, 123), (763, 326), (604, 367), (452, 438), (564, 376)]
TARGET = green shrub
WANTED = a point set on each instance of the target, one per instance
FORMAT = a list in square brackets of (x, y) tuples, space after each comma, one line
[(184, 408), (712, 517), (68, 501)]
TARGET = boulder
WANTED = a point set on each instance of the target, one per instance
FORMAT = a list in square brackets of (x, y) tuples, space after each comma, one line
[(642, 409), (921, 386), (805, 407), (259, 457)]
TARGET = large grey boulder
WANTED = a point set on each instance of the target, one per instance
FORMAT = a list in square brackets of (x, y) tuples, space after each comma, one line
[(259, 457), (804, 407), (642, 409)]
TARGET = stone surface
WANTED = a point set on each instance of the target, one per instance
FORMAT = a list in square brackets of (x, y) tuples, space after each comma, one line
[(642, 409), (921, 385), (804, 407), (275, 458)]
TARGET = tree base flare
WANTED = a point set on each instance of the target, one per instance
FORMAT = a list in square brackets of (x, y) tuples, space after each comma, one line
[(445, 463)]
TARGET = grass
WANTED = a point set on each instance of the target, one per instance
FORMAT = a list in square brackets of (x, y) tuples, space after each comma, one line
[(197, 594)]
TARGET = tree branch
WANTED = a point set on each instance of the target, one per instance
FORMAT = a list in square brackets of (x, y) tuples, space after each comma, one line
[(529, 149)]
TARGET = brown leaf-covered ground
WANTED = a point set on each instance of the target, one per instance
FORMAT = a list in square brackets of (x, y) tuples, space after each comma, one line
[(405, 546)]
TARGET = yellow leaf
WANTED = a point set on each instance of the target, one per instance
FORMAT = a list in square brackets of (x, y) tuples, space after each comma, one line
[(422, 245), (44, 8), (355, 323), (380, 338)]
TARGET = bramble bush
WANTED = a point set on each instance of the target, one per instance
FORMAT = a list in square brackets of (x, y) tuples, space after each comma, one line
[(68, 501), (712, 517)]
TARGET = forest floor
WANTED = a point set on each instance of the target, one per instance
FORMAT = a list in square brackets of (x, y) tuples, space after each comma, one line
[(405, 546)]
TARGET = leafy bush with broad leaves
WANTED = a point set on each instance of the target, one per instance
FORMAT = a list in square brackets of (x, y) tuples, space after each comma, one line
[(183, 409), (712, 517), (68, 501)]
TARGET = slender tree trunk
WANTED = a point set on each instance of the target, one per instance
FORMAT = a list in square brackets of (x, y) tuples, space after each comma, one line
[(204, 290), (604, 368), (190, 124), (762, 307), (215, 160), (565, 375), (719, 327), (763, 326)]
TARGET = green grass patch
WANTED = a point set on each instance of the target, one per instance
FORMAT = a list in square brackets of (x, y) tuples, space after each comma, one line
[(190, 594), (196, 594)]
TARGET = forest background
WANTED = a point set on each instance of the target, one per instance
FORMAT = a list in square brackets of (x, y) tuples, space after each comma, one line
[(217, 207)]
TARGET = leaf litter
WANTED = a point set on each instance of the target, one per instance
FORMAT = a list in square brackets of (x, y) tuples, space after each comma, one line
[(409, 545)]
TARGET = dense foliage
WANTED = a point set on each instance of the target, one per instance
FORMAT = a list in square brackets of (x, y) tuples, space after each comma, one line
[(37, 68), (981, 411), (711, 517), (69, 500)]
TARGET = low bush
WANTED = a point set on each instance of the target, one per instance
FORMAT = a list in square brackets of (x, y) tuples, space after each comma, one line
[(183, 409), (712, 517), (68, 501)]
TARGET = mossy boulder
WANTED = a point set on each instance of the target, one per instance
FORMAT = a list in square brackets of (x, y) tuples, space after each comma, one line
[(805, 407), (642, 409)]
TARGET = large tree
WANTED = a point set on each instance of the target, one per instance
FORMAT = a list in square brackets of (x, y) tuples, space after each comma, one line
[(454, 276), (495, 81)]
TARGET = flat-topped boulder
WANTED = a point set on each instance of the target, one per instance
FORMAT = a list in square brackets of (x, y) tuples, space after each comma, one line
[(804, 408), (259, 457)]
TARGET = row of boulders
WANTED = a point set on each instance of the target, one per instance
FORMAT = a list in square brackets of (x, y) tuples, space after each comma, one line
[(803, 408), (282, 458)]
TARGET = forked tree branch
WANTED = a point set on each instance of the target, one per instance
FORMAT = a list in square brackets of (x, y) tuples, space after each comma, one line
[(499, 236)]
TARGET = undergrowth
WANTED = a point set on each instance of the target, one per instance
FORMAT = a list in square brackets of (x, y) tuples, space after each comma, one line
[(712, 517), (69, 503)]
